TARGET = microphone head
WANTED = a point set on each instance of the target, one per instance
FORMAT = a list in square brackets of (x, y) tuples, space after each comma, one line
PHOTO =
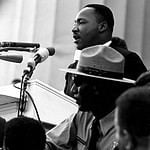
[(19, 44), (51, 51), (12, 58), (31, 63)]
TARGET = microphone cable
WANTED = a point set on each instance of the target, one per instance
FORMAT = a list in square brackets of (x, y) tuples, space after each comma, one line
[(22, 98), (22, 104), (32, 101)]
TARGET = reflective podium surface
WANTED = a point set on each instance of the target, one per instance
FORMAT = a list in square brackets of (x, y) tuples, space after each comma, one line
[(51, 105)]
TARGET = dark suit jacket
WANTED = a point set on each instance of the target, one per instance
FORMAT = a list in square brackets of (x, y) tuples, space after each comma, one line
[(133, 67), (2, 127)]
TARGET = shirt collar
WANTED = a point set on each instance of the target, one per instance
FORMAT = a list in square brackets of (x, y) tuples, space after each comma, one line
[(78, 52), (107, 122), (107, 43), (77, 55)]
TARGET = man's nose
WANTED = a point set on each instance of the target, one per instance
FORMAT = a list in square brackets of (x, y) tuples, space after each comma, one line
[(75, 28)]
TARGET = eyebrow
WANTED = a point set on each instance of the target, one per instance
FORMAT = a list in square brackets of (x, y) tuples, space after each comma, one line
[(79, 19)]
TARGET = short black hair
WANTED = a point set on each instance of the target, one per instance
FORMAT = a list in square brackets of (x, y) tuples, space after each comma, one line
[(105, 12), (133, 111), (119, 42), (24, 133)]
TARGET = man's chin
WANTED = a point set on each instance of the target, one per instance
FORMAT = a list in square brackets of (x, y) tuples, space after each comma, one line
[(79, 46), (83, 108)]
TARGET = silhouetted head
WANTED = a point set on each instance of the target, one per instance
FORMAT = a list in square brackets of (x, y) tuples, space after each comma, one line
[(132, 119), (24, 133), (143, 79)]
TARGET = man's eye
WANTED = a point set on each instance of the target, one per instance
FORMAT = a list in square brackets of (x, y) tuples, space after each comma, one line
[(82, 22)]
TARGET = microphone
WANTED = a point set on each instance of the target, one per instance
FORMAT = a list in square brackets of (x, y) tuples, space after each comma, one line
[(19, 44), (12, 58), (40, 56)]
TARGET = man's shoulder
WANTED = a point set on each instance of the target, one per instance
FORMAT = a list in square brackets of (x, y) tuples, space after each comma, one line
[(123, 51), (126, 52), (109, 141)]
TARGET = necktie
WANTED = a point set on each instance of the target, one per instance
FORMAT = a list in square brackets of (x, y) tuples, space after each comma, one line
[(95, 134)]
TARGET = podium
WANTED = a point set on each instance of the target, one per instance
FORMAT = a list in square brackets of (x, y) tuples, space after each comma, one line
[(52, 105), (9, 98)]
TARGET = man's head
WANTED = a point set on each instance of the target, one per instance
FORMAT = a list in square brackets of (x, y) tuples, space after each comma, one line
[(93, 26), (24, 134), (143, 79), (98, 79), (119, 42), (132, 119)]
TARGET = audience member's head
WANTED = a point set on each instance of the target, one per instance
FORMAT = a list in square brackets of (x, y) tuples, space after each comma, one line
[(143, 79), (98, 80), (119, 42), (24, 133), (132, 119)]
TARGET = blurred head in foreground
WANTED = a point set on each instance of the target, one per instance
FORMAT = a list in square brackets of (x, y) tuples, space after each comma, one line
[(24, 133), (132, 119)]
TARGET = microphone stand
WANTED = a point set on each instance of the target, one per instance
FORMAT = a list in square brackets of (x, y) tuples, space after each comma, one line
[(25, 77), (23, 96)]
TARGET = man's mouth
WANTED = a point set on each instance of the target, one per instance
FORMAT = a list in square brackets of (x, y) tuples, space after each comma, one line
[(76, 38), (76, 41)]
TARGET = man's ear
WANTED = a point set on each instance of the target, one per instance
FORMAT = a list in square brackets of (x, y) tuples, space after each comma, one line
[(127, 139), (102, 26)]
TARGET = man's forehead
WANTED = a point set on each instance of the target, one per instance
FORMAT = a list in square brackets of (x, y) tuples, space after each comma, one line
[(85, 12)]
